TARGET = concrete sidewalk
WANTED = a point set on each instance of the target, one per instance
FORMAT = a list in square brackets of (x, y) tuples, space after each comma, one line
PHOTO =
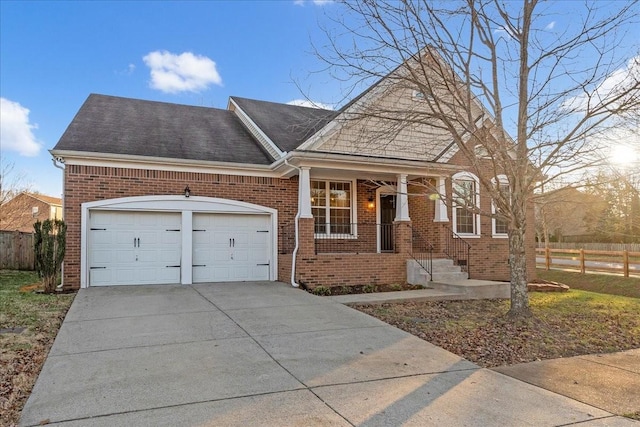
[(270, 355), (606, 381)]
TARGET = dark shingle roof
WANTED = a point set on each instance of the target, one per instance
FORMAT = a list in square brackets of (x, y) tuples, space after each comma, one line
[(114, 125), (286, 125)]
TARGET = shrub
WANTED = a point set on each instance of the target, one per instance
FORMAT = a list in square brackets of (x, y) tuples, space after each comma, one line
[(321, 291), (49, 246), (367, 289)]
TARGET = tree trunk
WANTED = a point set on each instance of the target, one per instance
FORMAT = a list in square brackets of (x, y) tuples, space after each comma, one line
[(518, 265), (50, 284)]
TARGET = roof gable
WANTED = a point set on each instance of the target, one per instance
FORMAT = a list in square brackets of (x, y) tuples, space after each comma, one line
[(287, 126), (387, 120), (124, 126), (46, 199)]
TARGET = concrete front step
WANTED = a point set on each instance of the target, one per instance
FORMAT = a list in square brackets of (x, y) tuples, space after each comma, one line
[(446, 277), (443, 271), (449, 279), (474, 289)]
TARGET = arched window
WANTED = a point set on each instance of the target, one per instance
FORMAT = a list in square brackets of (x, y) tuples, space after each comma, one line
[(466, 202), (499, 226)]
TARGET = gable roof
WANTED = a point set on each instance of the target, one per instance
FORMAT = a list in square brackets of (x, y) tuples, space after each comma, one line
[(115, 125), (46, 199), (285, 125), (49, 200)]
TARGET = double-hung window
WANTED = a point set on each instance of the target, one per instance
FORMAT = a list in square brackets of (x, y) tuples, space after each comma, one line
[(466, 221), (500, 225), (331, 206)]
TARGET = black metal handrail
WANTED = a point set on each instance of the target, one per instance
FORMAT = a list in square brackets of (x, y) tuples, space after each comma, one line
[(422, 251), (353, 238), (457, 249)]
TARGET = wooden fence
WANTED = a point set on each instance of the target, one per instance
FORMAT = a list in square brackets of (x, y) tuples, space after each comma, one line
[(621, 262), (16, 250), (631, 247)]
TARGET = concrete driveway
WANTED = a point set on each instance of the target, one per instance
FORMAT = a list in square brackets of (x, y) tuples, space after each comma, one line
[(270, 355)]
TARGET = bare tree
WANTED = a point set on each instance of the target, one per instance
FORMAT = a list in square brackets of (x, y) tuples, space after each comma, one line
[(12, 183), (485, 68)]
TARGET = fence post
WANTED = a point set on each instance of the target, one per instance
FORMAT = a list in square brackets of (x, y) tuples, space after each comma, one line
[(547, 258), (582, 266), (625, 262)]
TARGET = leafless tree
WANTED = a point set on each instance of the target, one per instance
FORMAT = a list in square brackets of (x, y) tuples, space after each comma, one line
[(487, 69), (12, 183)]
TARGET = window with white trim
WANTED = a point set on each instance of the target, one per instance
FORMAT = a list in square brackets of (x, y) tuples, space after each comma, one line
[(500, 226), (466, 199), (331, 206)]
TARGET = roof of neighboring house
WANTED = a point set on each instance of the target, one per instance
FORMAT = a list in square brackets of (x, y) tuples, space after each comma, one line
[(286, 125), (115, 125), (46, 199), (40, 197)]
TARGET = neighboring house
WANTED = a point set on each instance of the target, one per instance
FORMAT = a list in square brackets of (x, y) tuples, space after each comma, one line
[(164, 193), (22, 211), (567, 215)]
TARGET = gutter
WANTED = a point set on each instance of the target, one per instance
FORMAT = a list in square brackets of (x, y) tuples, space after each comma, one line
[(296, 221), (58, 164)]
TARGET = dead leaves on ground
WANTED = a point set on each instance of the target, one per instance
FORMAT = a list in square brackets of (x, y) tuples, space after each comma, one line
[(481, 332)]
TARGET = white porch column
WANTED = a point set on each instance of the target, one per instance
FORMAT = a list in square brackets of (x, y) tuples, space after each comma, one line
[(186, 270), (441, 207), (402, 199), (304, 193)]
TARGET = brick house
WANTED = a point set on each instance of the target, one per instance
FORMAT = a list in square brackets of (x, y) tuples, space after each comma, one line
[(23, 210), (162, 193)]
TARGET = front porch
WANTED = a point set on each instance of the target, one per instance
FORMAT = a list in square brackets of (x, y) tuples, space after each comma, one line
[(369, 254), (359, 224)]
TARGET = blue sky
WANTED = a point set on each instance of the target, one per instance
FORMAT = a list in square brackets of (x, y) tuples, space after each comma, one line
[(54, 54)]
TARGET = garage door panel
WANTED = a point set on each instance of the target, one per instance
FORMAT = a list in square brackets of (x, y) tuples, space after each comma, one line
[(133, 248), (121, 256), (232, 247)]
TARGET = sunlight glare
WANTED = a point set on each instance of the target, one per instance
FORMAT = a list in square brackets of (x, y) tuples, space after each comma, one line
[(623, 155)]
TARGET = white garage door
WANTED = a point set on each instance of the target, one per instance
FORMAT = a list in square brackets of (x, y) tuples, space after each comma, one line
[(134, 248), (231, 247)]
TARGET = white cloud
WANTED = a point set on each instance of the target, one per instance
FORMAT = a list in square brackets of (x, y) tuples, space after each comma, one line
[(316, 2), (312, 104), (505, 31), (127, 71), (623, 81), (550, 26), (15, 129), (186, 72)]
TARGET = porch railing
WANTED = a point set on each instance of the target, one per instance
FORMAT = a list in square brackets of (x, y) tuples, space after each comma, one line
[(422, 252), (354, 238), (457, 249)]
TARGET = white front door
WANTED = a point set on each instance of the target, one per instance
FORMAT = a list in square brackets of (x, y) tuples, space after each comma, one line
[(134, 248), (231, 247)]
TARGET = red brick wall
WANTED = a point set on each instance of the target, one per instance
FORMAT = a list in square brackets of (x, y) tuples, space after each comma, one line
[(90, 183), (351, 269), (17, 214), (85, 184), (489, 255)]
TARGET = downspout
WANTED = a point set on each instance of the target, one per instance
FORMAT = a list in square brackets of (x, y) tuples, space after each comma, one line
[(296, 220), (55, 163)]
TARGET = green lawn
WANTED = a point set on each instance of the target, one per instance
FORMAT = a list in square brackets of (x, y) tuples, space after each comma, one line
[(602, 283), (29, 323)]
